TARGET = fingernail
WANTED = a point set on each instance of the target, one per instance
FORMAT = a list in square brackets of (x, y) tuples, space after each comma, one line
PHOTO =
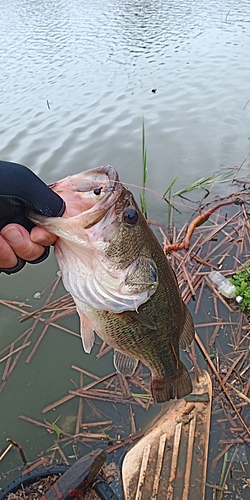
[(12, 235)]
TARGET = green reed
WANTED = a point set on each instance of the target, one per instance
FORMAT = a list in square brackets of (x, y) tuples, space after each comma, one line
[(144, 172)]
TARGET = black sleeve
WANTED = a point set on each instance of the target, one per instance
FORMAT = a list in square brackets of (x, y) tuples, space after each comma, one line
[(21, 191)]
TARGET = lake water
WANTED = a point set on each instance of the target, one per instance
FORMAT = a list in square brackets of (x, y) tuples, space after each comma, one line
[(76, 84)]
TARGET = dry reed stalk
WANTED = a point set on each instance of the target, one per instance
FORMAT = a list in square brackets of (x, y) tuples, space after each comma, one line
[(105, 351), (7, 365), (214, 335), (188, 253), (230, 419), (51, 323), (14, 342), (246, 368), (132, 420), (211, 365), (247, 388), (80, 409), (91, 435), (215, 302), (124, 386), (192, 355), (38, 342), (96, 411), (46, 425), (28, 334), (99, 381), (134, 380), (222, 323), (140, 402), (242, 340), (186, 295), (2, 385), (239, 393), (88, 374), (74, 383), (101, 396), (219, 456), (60, 303), (64, 314), (239, 329), (61, 453), (124, 442), (233, 366), (6, 451), (57, 403), (42, 462), (192, 291), (239, 440), (14, 352), (104, 344), (215, 232), (10, 304), (102, 423), (199, 297)]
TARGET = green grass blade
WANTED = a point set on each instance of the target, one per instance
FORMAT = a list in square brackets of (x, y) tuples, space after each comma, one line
[(57, 430), (169, 189), (144, 172)]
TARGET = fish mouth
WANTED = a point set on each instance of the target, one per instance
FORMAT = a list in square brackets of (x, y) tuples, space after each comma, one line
[(89, 194), (105, 176)]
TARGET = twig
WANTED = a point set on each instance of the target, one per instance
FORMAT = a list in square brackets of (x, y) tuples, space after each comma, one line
[(124, 442), (211, 365), (20, 449), (6, 451), (14, 352), (232, 367), (240, 394), (196, 222)]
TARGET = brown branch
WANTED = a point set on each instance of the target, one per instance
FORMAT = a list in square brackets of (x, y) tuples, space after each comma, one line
[(196, 222)]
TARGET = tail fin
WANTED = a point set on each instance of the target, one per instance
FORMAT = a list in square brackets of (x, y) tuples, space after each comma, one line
[(178, 386)]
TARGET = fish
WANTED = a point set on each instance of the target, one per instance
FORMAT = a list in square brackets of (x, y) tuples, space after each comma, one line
[(123, 285)]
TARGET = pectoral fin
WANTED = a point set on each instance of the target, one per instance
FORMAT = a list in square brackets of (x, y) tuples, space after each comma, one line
[(124, 364), (142, 318), (87, 332)]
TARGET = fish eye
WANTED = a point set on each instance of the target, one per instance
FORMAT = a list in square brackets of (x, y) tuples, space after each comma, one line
[(97, 191), (130, 216)]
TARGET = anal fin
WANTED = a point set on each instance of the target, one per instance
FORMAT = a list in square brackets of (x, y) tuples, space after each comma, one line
[(125, 365)]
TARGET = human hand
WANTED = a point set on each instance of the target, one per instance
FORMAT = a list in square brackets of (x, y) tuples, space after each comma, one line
[(15, 241)]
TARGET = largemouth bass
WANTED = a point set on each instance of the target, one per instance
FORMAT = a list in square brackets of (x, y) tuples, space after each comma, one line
[(120, 279)]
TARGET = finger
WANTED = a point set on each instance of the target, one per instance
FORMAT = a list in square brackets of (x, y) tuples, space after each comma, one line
[(42, 236), (8, 258), (19, 240)]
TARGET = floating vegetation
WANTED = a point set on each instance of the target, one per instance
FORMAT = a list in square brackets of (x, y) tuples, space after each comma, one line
[(241, 281)]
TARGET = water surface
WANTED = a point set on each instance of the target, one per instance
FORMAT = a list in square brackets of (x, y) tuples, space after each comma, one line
[(75, 84)]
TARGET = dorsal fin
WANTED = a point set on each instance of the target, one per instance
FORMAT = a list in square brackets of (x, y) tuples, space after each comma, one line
[(187, 334)]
